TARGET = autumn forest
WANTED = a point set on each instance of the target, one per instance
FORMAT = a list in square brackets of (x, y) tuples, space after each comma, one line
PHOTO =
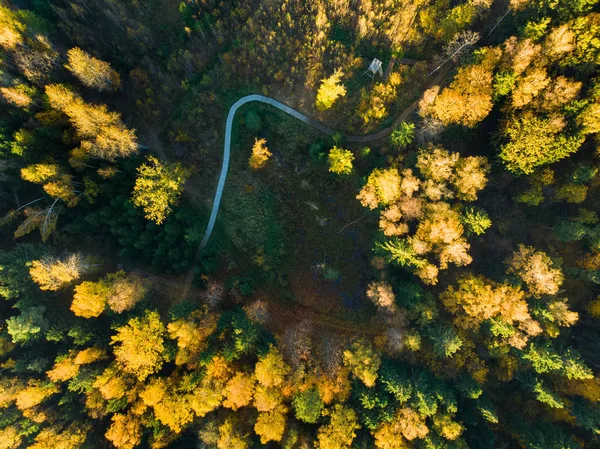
[(396, 247)]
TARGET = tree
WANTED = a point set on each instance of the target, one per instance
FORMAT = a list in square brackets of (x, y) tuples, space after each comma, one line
[(403, 135), (271, 425), (382, 188), (91, 71), (341, 430), (157, 188), (468, 99), (53, 273), (89, 300), (308, 405), (139, 345), (260, 154), (72, 437), (537, 270), (34, 394), (270, 370), (340, 161), (477, 221), (530, 141), (471, 177), (28, 326), (445, 340), (125, 291), (239, 391), (102, 132), (330, 90), (124, 431), (364, 361), (383, 297)]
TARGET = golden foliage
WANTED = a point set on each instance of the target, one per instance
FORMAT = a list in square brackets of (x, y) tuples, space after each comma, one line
[(91, 71), (270, 371), (330, 90), (271, 425), (239, 391), (341, 430), (89, 299), (382, 188), (53, 274), (536, 270), (140, 345), (124, 431), (260, 154), (363, 361), (191, 334), (34, 394), (157, 188)]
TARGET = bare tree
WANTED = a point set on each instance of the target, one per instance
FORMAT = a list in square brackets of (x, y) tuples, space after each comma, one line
[(296, 343), (430, 130), (213, 293), (331, 348), (460, 45)]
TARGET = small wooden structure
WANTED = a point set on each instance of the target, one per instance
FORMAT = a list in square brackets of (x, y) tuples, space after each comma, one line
[(374, 68)]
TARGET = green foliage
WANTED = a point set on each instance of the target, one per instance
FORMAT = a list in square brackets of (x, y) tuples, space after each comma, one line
[(403, 135), (308, 406), (477, 221), (445, 340), (28, 326)]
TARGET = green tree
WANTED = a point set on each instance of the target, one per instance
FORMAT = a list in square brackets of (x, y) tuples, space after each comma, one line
[(445, 340), (308, 405), (403, 135), (157, 188)]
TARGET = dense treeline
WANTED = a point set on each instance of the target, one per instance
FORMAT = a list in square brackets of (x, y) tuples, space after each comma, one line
[(461, 310)]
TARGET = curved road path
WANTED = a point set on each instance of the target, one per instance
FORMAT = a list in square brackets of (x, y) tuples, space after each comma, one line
[(303, 118)]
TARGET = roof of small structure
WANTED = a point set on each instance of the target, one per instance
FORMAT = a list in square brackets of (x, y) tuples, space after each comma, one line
[(375, 65)]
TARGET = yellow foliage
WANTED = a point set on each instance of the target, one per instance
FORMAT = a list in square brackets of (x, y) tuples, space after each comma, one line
[(89, 355), (63, 370), (260, 154), (91, 71), (53, 274), (230, 437), (270, 371), (51, 438), (341, 430), (9, 387), (382, 188), (330, 90), (16, 96), (111, 384), (124, 431), (267, 399), (537, 271), (364, 361), (239, 391), (139, 345), (10, 436), (154, 392), (191, 334), (34, 394), (158, 187), (89, 300), (271, 425)]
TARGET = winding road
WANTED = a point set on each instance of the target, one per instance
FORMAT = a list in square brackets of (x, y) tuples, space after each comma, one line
[(303, 118)]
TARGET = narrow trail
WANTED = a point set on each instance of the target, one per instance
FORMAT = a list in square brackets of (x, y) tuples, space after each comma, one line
[(303, 118)]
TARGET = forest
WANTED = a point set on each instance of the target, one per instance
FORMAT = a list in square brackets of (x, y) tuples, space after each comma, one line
[(415, 266)]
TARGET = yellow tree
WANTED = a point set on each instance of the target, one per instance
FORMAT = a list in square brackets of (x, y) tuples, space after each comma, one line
[(340, 161), (537, 270), (125, 291), (102, 133), (139, 345), (124, 431), (239, 391), (73, 437), (260, 154), (364, 361), (330, 90), (341, 430), (270, 426), (270, 371), (89, 300), (157, 188), (34, 394), (91, 71), (53, 274)]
